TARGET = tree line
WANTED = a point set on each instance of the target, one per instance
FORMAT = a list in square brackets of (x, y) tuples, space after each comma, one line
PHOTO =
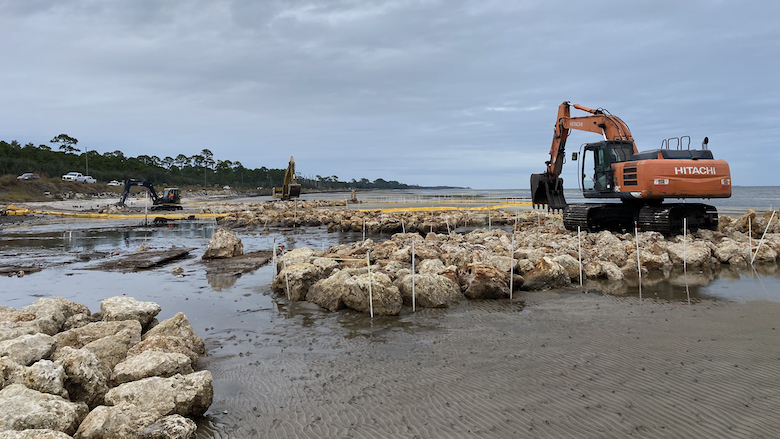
[(195, 170)]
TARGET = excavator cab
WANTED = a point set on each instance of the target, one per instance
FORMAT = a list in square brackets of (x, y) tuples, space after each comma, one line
[(597, 179), (171, 196)]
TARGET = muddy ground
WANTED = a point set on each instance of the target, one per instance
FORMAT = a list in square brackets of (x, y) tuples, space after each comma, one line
[(557, 364)]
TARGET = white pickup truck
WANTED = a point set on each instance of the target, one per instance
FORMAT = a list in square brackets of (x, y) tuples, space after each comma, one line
[(89, 179), (73, 176)]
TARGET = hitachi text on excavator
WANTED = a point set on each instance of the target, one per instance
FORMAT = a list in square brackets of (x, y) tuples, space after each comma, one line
[(614, 169)]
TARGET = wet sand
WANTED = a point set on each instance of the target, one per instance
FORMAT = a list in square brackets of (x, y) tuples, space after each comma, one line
[(565, 365)]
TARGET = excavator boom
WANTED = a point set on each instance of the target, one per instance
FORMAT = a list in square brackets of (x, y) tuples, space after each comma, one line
[(290, 188)]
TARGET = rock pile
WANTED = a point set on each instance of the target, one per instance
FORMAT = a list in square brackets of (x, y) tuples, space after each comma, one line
[(478, 265), (282, 214), (118, 373)]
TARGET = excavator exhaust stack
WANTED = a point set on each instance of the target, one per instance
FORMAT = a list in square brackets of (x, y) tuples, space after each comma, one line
[(546, 191)]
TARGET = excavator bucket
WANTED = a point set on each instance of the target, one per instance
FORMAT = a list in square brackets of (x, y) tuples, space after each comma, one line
[(547, 192)]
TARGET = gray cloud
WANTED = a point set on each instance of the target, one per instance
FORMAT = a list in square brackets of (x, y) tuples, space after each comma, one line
[(426, 92)]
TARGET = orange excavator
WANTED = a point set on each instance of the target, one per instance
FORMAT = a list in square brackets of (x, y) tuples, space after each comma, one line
[(637, 182)]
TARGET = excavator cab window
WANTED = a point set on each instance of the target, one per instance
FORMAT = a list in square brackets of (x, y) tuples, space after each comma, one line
[(597, 163)]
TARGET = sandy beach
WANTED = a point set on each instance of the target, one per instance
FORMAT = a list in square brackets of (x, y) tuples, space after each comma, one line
[(565, 364)]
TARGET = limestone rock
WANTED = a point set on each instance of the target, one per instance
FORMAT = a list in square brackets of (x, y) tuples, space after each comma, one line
[(152, 363), (87, 378), (731, 252), (296, 280), (34, 433), (546, 275), (27, 349), (22, 408), (51, 313), (697, 254), (431, 266), (303, 255), (80, 337), (385, 296), (571, 265), (165, 343), (223, 244), (485, 282), (178, 326), (746, 222), (186, 395), (329, 293), (431, 290), (127, 421), (128, 308), (44, 376)]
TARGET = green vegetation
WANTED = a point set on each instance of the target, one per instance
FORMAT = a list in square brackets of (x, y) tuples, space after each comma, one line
[(197, 170)]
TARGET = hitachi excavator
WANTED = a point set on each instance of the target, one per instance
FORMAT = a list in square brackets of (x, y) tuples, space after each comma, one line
[(290, 189), (614, 168)]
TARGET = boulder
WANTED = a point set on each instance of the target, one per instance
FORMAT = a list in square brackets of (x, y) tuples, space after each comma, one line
[(51, 313), (425, 251), (732, 252), (431, 266), (431, 290), (87, 378), (501, 263), (570, 264), (186, 395), (326, 266), (34, 433), (383, 250), (223, 244), (746, 222), (384, 296), (179, 326), (296, 280), (27, 349), (546, 275), (329, 293), (610, 248), (165, 343), (152, 363), (22, 408), (605, 270), (485, 282), (303, 255), (112, 349), (45, 376), (126, 421), (127, 308), (697, 254), (80, 337)]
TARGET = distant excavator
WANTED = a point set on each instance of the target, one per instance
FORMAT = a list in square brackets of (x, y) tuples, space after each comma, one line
[(170, 200), (614, 168), (290, 189)]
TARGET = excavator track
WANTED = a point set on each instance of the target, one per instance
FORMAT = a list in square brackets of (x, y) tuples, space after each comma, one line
[(670, 218), (617, 217), (596, 217)]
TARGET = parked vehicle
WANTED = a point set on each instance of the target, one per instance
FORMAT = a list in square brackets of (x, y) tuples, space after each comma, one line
[(28, 176), (116, 183), (89, 179), (73, 176)]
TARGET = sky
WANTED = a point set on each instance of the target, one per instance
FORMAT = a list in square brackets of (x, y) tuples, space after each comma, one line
[(427, 92)]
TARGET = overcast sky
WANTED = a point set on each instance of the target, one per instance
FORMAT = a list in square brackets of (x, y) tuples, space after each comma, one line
[(461, 93)]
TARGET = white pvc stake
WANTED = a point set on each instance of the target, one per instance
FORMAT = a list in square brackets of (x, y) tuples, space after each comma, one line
[(403, 226), (274, 270), (579, 252), (447, 220), (512, 266), (762, 238), (295, 213), (286, 276), (370, 293), (750, 238), (538, 219), (638, 262), (489, 220), (685, 258), (414, 298), (364, 229)]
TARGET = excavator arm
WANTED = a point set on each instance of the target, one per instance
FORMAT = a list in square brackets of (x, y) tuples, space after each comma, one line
[(547, 188)]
